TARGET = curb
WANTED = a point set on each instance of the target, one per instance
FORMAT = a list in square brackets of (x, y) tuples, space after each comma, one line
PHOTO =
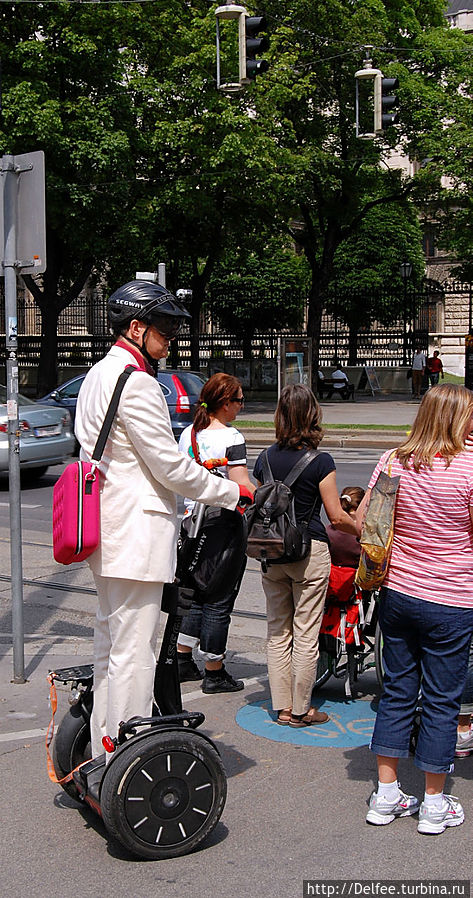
[(256, 439)]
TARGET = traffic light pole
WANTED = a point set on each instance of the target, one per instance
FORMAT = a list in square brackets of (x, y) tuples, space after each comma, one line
[(10, 175)]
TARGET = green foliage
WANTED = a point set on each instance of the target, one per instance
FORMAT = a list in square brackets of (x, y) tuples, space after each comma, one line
[(146, 161), (368, 265), (259, 290)]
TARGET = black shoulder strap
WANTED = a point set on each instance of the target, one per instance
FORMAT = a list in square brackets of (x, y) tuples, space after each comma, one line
[(300, 466), (111, 411), (267, 472)]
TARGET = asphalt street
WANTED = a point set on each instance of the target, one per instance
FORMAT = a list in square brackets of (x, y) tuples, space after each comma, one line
[(296, 800)]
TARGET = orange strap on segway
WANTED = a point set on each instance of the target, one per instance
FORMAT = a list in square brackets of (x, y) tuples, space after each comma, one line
[(214, 463), (50, 734), (210, 463)]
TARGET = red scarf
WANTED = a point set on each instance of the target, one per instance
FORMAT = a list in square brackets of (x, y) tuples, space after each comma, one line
[(143, 364)]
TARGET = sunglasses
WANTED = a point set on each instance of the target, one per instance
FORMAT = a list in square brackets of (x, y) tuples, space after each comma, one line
[(166, 326), (237, 399)]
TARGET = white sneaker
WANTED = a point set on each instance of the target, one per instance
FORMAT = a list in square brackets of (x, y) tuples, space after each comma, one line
[(383, 811), (434, 820), (464, 747)]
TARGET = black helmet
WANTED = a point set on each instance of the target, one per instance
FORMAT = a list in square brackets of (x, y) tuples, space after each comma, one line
[(148, 302)]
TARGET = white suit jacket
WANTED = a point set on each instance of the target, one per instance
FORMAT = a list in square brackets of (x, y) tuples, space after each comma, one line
[(141, 470)]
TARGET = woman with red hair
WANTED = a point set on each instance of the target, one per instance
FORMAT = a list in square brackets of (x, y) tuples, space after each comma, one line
[(206, 625)]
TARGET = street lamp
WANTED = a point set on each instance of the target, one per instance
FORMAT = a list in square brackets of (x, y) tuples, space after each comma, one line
[(405, 270)]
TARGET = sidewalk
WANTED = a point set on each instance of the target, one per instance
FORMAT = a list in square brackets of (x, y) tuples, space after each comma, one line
[(339, 417), (296, 800)]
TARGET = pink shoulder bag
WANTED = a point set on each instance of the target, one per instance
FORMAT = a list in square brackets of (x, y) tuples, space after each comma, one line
[(76, 495)]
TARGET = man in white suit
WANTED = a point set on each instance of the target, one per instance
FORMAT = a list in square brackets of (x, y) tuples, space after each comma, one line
[(141, 471)]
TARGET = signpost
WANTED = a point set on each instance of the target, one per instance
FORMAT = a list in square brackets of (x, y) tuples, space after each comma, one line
[(370, 378), (23, 244), (294, 361)]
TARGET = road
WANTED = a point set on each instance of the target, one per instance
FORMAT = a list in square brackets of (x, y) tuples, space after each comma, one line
[(66, 606), (353, 467)]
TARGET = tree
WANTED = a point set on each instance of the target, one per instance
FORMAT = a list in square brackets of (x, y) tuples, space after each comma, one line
[(333, 180), (211, 163), (259, 287), (64, 91), (367, 266)]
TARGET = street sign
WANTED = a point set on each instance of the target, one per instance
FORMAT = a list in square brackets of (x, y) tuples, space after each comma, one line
[(370, 378), (30, 214), (294, 361)]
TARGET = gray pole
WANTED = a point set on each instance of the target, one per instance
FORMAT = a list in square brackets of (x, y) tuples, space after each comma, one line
[(162, 282), (9, 265)]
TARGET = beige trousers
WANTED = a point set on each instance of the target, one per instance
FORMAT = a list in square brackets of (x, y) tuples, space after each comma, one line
[(125, 636), (295, 596)]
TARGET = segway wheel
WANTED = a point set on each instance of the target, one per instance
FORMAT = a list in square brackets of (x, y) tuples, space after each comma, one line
[(163, 794), (71, 747)]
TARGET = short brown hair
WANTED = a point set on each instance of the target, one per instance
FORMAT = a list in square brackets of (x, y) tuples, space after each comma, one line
[(439, 427), (218, 390), (298, 418)]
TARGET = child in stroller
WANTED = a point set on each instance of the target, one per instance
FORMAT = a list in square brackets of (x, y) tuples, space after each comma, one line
[(349, 619)]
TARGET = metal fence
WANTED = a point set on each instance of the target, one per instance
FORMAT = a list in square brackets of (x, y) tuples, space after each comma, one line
[(83, 338)]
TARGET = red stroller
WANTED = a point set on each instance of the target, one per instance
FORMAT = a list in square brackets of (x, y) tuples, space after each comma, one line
[(349, 634)]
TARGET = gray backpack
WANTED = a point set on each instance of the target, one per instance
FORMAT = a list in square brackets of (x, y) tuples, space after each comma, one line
[(275, 536)]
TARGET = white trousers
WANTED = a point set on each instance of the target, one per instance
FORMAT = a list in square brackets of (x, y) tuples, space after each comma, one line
[(125, 636)]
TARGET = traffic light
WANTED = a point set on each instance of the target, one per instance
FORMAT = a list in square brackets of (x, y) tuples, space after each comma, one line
[(385, 102), (374, 101), (253, 45)]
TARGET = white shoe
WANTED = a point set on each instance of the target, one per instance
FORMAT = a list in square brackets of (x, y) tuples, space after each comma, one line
[(434, 820), (383, 811), (464, 747)]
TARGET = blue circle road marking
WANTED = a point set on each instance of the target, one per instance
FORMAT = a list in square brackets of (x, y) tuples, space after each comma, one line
[(350, 724)]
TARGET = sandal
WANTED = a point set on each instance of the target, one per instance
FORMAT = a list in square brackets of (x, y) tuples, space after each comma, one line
[(284, 717), (313, 717)]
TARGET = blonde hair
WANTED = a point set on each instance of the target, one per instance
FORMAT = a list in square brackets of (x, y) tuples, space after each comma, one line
[(439, 428)]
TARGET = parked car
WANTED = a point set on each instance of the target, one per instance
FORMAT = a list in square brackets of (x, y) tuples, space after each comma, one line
[(46, 436), (181, 390)]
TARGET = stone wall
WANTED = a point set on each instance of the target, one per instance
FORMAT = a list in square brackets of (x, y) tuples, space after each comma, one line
[(452, 321)]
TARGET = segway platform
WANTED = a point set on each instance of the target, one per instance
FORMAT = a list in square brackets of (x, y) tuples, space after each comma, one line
[(161, 789)]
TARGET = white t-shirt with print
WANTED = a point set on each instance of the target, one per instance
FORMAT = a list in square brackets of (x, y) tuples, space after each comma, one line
[(218, 442)]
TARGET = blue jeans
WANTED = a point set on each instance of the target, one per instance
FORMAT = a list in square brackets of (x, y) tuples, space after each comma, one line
[(467, 695), (425, 646), (207, 625)]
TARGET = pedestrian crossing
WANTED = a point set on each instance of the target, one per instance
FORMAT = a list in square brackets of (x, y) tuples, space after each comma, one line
[(344, 456), (356, 456)]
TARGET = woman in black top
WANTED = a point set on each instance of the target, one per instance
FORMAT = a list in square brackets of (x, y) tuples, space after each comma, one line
[(295, 593)]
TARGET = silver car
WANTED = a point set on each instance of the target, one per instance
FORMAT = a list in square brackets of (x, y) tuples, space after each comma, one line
[(46, 436)]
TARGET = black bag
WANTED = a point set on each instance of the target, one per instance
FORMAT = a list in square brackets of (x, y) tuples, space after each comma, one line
[(212, 562), (274, 534)]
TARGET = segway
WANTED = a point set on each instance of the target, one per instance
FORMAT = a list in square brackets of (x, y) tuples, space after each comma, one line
[(164, 787)]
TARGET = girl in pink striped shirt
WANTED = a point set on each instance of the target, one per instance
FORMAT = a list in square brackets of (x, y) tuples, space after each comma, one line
[(426, 608)]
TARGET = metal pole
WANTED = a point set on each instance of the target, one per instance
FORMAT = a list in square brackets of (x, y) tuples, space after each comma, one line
[(162, 282), (404, 340), (11, 340)]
